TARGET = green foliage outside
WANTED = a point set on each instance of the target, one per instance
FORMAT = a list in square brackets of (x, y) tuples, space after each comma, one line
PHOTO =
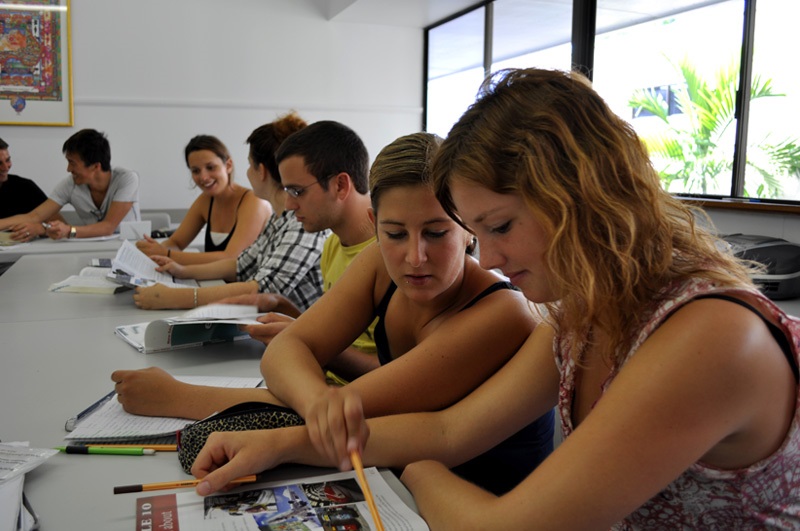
[(695, 149)]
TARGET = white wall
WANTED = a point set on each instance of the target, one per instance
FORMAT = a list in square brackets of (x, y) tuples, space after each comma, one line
[(153, 73)]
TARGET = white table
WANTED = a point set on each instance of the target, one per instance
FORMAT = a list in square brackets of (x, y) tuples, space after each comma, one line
[(64, 246), (58, 351), (77, 245)]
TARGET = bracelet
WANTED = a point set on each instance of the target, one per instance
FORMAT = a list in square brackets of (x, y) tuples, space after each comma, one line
[(195, 297)]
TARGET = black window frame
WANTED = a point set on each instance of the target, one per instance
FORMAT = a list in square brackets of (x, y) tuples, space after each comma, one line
[(584, 17)]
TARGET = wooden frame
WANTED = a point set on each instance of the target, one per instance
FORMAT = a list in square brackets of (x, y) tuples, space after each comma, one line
[(35, 63)]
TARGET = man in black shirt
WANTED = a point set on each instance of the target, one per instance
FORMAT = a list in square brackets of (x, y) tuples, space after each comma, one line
[(18, 195)]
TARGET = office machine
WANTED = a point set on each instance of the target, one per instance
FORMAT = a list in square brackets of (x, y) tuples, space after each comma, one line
[(781, 258)]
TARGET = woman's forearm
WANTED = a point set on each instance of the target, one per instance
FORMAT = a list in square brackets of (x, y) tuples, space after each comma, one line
[(292, 373)]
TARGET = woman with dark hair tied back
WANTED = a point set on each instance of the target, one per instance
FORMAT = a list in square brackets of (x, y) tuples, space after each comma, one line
[(444, 326), (232, 215)]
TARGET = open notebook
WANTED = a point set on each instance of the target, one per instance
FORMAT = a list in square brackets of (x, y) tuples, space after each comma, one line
[(109, 422)]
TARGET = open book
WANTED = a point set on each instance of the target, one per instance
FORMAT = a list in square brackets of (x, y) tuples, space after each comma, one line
[(212, 323), (89, 280), (328, 501), (132, 267), (110, 422)]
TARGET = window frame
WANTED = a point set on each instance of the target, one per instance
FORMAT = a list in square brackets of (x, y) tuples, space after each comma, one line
[(584, 18)]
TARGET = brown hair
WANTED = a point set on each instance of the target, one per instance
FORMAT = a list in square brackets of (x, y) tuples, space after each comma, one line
[(616, 238), (265, 140), (405, 162)]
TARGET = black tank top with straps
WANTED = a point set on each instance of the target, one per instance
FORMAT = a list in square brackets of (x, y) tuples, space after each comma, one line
[(382, 341), (210, 246)]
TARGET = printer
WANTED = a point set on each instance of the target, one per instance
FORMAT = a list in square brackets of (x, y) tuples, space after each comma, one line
[(781, 280)]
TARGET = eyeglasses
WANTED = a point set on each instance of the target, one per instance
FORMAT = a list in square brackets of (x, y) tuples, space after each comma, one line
[(297, 191)]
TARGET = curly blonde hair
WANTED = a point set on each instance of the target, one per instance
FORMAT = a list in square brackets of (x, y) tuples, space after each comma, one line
[(616, 238)]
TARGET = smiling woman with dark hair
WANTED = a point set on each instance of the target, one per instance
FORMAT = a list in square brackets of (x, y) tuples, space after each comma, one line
[(232, 215)]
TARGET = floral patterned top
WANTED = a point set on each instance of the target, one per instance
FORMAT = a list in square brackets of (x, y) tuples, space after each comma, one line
[(763, 495)]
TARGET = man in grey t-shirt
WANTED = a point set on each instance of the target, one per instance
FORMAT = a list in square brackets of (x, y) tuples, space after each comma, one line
[(102, 196)]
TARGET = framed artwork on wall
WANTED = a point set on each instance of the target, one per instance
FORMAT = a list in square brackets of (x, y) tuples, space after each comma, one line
[(35, 63)]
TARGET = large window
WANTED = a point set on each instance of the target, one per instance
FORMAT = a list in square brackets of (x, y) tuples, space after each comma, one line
[(455, 69), (459, 56), (672, 69)]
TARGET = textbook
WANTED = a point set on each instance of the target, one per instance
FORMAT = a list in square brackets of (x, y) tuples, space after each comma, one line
[(213, 323), (131, 267), (108, 421), (89, 280), (324, 502)]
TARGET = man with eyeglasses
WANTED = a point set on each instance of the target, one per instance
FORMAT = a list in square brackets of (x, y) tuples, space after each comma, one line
[(102, 196), (324, 170)]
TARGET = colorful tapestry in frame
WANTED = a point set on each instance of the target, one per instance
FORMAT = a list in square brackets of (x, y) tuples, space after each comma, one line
[(35, 70)]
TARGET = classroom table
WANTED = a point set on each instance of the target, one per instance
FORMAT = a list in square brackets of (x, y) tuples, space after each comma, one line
[(63, 246), (21, 302), (58, 351)]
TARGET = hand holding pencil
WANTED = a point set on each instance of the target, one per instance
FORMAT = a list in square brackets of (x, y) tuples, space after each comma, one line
[(336, 425), (230, 455)]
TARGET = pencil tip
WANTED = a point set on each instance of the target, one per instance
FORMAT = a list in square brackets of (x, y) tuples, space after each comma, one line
[(127, 488)]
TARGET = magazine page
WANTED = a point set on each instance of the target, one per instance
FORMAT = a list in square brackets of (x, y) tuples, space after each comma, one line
[(320, 503)]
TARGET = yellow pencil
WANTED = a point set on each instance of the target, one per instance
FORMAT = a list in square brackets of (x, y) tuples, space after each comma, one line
[(156, 447), (176, 485), (355, 458)]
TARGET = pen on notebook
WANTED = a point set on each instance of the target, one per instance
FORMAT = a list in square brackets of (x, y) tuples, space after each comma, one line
[(104, 451), (156, 447), (355, 459), (176, 485), (70, 424)]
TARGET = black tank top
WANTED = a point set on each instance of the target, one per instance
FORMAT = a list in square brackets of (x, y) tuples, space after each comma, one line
[(503, 467), (382, 341), (209, 244)]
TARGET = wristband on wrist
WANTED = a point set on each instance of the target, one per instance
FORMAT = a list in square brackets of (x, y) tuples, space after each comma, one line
[(195, 297), (73, 232)]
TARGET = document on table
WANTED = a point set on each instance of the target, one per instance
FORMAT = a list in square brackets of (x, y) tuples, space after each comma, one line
[(132, 262), (112, 422), (15, 460)]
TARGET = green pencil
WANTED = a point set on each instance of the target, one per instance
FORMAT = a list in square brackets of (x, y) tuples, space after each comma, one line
[(104, 451)]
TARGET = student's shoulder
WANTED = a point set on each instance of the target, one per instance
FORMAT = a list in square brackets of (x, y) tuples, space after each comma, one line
[(370, 257), (200, 205), (124, 174)]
